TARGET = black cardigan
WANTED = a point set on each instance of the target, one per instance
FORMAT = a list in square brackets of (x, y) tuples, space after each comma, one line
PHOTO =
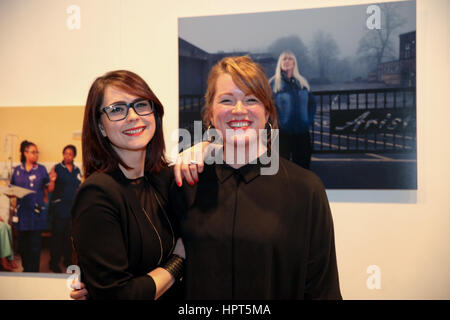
[(115, 244)]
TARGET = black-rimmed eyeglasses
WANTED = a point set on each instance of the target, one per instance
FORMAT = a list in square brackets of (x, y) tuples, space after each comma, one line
[(119, 111)]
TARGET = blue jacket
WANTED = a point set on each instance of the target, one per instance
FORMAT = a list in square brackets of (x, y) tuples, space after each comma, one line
[(31, 209), (295, 106)]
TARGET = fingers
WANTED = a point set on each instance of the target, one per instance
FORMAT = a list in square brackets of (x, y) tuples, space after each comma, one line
[(177, 174), (185, 168), (193, 168), (200, 156), (186, 173), (182, 170), (189, 164), (78, 294)]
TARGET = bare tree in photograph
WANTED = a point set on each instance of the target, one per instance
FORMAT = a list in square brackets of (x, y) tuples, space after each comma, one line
[(377, 45), (325, 52)]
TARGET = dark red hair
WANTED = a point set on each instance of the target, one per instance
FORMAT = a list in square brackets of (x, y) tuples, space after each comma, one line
[(98, 154)]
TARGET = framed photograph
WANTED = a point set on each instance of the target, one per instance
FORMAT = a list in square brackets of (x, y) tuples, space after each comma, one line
[(347, 109)]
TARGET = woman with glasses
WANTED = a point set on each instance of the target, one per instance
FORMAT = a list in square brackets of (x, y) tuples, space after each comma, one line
[(123, 229), (31, 209)]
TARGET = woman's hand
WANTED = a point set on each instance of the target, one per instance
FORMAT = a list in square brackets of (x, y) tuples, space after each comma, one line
[(51, 185), (189, 164), (53, 175), (79, 294)]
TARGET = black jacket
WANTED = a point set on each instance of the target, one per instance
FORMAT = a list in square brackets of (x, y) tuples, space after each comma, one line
[(115, 243)]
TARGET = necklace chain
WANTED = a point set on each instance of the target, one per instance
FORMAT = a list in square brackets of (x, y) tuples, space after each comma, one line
[(157, 233)]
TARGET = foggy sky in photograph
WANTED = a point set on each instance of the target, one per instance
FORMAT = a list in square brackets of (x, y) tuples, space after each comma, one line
[(254, 32)]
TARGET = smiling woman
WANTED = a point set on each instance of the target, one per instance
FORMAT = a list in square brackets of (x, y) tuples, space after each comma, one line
[(105, 138), (239, 105), (250, 235), (31, 208), (124, 232)]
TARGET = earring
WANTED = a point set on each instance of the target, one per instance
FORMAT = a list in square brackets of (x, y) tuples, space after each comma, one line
[(271, 133), (208, 136)]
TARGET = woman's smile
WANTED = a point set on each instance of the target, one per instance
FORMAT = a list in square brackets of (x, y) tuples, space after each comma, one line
[(136, 131), (239, 124)]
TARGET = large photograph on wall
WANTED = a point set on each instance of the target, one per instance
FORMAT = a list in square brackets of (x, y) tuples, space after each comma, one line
[(352, 119)]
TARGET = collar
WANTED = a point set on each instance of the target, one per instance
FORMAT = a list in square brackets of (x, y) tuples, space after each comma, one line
[(289, 80), (247, 173), (22, 166), (159, 181), (64, 166)]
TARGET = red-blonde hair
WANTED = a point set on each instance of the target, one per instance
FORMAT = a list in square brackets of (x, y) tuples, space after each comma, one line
[(249, 76)]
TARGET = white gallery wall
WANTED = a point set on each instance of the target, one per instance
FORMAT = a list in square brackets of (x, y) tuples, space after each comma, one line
[(44, 63)]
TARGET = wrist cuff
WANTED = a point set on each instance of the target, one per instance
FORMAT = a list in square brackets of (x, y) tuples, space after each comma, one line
[(174, 265)]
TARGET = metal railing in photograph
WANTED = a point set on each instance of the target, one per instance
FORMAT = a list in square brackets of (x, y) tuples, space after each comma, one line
[(348, 121), (190, 110), (368, 120)]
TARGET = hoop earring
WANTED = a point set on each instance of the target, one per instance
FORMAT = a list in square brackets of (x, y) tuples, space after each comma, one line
[(268, 135), (208, 137)]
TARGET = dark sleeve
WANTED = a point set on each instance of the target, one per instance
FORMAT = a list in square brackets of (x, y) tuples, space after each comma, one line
[(322, 281), (312, 107), (45, 177), (13, 178), (102, 254)]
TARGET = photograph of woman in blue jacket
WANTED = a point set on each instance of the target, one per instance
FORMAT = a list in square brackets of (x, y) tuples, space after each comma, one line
[(296, 107)]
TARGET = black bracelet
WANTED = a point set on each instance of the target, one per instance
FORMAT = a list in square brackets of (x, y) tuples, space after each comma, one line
[(174, 265)]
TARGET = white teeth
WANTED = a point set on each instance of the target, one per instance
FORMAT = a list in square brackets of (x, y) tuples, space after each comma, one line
[(239, 124), (134, 131)]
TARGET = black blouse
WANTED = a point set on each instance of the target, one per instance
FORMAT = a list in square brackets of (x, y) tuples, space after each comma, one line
[(121, 231), (157, 221), (252, 236)]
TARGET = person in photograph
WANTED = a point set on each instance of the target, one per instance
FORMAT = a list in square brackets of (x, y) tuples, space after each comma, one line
[(296, 107), (6, 249), (124, 231), (67, 178), (248, 235), (31, 209), (7, 262)]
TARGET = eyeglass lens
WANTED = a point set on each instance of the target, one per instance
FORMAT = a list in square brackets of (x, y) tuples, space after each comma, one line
[(119, 111)]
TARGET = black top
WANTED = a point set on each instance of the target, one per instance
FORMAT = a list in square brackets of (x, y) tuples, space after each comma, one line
[(116, 242), (252, 236)]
